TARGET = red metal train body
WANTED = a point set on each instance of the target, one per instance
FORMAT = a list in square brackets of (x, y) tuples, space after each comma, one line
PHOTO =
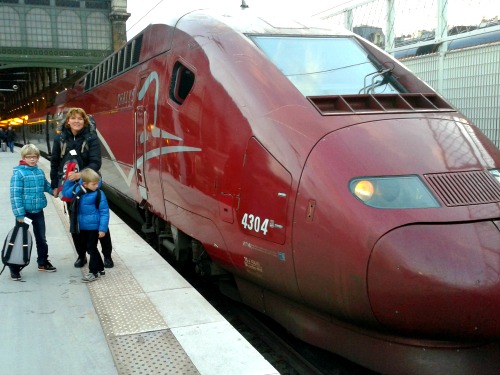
[(348, 200)]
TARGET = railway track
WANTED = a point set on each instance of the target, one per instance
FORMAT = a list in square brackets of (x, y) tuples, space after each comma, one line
[(287, 354)]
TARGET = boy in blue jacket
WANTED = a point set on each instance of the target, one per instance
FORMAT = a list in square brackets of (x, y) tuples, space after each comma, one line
[(91, 218), (27, 187)]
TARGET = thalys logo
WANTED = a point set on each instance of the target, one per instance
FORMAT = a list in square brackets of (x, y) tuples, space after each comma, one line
[(125, 98)]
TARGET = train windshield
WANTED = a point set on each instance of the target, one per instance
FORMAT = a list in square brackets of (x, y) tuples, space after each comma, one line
[(326, 65)]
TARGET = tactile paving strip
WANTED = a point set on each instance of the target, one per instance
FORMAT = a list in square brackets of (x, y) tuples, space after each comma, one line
[(136, 333), (133, 354), (118, 281), (126, 314)]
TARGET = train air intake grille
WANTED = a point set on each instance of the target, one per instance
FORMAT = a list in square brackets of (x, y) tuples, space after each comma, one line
[(465, 188), (378, 103)]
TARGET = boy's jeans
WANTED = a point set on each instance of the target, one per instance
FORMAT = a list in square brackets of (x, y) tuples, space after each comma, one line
[(38, 225)]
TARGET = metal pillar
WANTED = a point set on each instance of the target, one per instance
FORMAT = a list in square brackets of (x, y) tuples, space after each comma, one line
[(118, 18)]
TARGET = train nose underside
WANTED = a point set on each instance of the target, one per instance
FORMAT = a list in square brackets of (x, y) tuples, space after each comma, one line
[(438, 281)]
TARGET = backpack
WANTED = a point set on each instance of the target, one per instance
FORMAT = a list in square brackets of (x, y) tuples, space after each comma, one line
[(70, 165), (17, 246), (74, 205)]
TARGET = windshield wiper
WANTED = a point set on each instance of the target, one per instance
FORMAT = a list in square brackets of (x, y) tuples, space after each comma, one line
[(385, 74)]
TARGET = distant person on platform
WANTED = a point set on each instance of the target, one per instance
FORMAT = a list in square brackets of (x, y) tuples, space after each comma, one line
[(77, 144), (3, 138), (10, 136)]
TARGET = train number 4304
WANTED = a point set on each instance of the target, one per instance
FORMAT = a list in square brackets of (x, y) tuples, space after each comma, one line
[(255, 223)]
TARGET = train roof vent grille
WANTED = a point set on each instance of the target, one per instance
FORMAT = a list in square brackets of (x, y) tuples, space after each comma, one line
[(465, 188), (379, 103)]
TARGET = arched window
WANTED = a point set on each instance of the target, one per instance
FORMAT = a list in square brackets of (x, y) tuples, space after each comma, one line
[(69, 30), (10, 27), (38, 29), (99, 32)]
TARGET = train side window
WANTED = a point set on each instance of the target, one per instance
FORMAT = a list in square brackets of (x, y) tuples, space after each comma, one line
[(104, 70), (110, 70), (181, 84), (126, 57), (98, 75), (115, 64), (136, 49), (120, 62)]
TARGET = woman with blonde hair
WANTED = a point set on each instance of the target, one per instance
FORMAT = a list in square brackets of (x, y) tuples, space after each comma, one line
[(77, 146)]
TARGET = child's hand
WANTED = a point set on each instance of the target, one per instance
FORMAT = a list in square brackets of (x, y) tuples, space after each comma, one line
[(102, 234)]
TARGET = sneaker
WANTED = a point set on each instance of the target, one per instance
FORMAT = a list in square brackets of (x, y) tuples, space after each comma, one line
[(88, 278), (108, 263), (80, 262), (16, 276), (47, 267), (102, 273)]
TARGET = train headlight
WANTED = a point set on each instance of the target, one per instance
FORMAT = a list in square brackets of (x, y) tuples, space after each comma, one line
[(393, 192), (495, 173), (363, 189)]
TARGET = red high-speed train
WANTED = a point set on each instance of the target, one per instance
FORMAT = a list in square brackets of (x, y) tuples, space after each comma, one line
[(348, 200)]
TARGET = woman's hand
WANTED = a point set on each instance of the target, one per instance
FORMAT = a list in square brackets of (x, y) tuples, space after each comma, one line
[(55, 192), (74, 176)]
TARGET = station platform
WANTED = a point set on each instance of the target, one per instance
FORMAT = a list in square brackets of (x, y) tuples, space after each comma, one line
[(141, 318)]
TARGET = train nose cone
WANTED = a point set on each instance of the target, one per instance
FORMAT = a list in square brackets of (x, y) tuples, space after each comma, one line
[(438, 281)]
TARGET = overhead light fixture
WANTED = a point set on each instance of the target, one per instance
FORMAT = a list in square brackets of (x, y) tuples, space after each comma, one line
[(14, 88)]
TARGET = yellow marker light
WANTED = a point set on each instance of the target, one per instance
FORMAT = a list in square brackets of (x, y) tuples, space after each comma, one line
[(364, 190)]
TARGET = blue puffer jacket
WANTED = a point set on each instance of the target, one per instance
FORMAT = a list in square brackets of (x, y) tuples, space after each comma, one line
[(27, 188), (89, 217)]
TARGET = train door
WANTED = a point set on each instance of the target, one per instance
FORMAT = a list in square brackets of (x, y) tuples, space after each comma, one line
[(141, 145), (148, 143)]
